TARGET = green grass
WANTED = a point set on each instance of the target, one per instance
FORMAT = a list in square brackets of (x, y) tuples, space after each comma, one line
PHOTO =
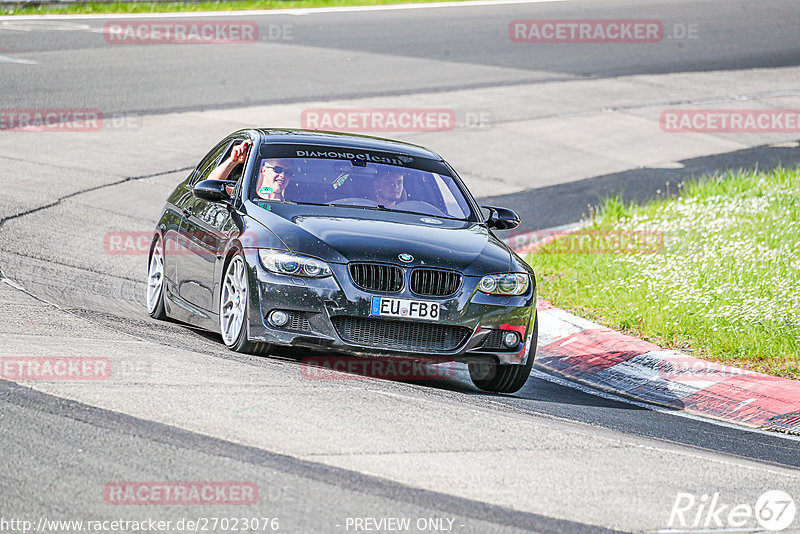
[(174, 7), (725, 286)]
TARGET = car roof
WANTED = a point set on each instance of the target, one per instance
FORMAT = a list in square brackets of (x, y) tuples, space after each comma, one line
[(345, 140)]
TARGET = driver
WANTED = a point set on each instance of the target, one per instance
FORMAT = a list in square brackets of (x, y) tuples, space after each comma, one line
[(236, 158), (388, 187), (273, 178)]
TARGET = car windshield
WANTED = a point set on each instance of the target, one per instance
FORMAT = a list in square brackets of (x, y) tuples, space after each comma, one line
[(371, 186)]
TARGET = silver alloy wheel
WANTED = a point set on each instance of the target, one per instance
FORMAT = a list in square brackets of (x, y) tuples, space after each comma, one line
[(233, 300), (155, 277)]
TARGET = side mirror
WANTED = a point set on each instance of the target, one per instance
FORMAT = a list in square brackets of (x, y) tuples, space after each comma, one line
[(501, 218), (212, 190)]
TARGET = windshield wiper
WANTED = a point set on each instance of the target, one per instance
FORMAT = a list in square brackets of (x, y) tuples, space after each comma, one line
[(379, 207), (425, 214), (333, 204), (305, 203), (353, 206)]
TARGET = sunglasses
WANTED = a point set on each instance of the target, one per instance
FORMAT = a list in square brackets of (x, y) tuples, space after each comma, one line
[(277, 169)]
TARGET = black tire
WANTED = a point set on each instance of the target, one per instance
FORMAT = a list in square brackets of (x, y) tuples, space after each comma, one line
[(241, 343), (496, 378), (156, 309)]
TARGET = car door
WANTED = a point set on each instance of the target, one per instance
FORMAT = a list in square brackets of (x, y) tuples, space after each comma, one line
[(171, 226), (191, 250), (204, 229), (177, 203)]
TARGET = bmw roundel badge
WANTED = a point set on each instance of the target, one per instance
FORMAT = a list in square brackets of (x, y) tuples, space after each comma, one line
[(406, 257)]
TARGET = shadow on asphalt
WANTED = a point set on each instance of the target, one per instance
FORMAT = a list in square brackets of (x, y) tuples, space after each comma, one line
[(561, 204), (538, 397), (446, 377)]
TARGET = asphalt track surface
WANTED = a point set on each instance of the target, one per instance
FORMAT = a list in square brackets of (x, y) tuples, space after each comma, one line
[(59, 447), (474, 41)]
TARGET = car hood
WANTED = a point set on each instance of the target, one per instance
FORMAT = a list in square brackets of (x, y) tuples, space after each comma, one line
[(350, 234)]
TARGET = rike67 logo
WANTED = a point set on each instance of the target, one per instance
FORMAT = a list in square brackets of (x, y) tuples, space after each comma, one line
[(774, 510)]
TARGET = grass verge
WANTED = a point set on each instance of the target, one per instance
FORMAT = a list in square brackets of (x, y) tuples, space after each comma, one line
[(714, 272), (177, 7)]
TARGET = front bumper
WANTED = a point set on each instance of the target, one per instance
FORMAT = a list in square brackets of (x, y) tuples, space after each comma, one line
[(318, 306)]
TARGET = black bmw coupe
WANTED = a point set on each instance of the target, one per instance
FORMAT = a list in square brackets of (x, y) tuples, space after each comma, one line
[(344, 243)]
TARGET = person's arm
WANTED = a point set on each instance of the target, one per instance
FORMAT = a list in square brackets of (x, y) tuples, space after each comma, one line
[(238, 155)]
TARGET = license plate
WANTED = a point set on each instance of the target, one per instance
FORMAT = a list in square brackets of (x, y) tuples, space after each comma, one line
[(407, 309)]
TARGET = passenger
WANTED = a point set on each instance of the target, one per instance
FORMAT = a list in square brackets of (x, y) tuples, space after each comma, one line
[(388, 187)]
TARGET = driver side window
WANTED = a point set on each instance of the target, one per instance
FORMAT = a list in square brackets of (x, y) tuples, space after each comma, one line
[(209, 162), (236, 173)]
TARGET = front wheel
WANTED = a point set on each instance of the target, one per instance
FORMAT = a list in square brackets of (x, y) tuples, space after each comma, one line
[(155, 281), (490, 376), (233, 308)]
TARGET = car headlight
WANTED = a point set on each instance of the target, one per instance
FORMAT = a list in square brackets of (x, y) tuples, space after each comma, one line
[(279, 262), (505, 284)]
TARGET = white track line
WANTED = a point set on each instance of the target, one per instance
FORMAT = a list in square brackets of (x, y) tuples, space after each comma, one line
[(262, 12), (6, 59)]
